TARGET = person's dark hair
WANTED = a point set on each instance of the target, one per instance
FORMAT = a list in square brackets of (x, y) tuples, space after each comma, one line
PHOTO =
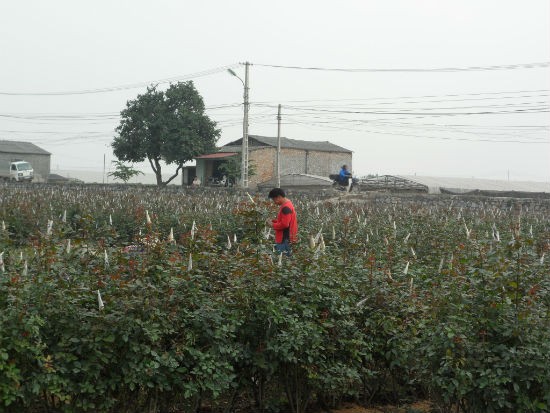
[(344, 166), (275, 192)]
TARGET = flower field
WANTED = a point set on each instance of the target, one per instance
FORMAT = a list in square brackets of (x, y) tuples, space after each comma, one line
[(147, 300)]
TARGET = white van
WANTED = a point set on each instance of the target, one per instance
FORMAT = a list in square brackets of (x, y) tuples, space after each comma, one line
[(16, 171)]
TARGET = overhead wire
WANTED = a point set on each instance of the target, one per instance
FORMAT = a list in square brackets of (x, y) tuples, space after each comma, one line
[(425, 136), (444, 128), (535, 104), (125, 86), (413, 70), (382, 105), (491, 95), (325, 111), (379, 112)]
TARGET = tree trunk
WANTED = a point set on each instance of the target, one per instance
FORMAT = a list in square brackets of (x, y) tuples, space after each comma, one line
[(159, 173), (159, 178), (157, 169)]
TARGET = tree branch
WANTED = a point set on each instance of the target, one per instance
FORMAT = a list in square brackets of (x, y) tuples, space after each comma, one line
[(180, 166), (152, 166)]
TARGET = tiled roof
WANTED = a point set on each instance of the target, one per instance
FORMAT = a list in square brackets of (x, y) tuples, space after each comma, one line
[(216, 155), (255, 141), (21, 147)]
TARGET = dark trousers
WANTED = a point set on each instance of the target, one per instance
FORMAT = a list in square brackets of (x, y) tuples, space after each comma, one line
[(283, 248)]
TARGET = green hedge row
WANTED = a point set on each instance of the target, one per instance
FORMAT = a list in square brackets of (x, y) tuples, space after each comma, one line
[(387, 305)]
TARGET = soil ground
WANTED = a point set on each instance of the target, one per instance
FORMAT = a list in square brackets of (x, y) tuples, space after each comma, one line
[(417, 407)]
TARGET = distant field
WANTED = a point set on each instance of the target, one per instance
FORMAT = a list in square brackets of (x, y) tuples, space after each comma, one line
[(90, 176)]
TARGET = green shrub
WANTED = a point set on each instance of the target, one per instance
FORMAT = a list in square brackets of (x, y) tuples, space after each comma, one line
[(400, 304)]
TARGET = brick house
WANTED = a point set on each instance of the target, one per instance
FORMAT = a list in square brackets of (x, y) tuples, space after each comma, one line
[(297, 157)]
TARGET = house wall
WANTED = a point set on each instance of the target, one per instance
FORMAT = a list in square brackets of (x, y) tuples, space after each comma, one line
[(207, 169), (313, 162), (293, 161), (187, 175), (201, 170), (296, 161), (326, 163), (263, 162), (40, 163)]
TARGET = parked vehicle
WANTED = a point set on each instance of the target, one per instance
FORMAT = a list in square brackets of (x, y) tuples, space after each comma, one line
[(217, 181), (342, 186), (16, 170)]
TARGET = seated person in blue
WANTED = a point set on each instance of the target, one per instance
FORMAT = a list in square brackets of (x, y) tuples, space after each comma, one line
[(345, 175)]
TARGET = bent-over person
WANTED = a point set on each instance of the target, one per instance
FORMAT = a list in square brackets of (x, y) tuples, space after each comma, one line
[(286, 223)]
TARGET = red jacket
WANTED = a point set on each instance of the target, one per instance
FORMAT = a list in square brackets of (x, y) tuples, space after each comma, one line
[(286, 224)]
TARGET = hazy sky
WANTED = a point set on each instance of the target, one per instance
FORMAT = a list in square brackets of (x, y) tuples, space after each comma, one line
[(486, 124)]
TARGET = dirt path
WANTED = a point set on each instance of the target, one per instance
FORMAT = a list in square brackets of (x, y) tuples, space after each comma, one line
[(420, 407)]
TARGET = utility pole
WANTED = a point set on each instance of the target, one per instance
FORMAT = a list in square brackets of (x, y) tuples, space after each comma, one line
[(244, 149), (244, 155), (279, 147)]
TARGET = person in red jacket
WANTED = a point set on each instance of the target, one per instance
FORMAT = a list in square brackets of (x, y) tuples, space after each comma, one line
[(286, 224)]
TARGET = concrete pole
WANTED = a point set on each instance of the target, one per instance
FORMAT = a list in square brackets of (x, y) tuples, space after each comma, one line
[(244, 165), (279, 147)]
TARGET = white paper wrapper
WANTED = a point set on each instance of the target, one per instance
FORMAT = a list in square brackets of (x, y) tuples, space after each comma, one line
[(100, 301)]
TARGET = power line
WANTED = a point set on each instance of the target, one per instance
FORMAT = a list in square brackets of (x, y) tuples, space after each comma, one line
[(290, 120), (519, 105), (542, 109), (357, 103), (89, 115), (399, 125), (415, 70), (47, 132), (444, 138), (76, 139), (85, 116), (123, 87), (57, 117), (422, 136), (394, 98)]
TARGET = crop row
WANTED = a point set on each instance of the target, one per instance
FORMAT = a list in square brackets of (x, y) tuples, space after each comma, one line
[(157, 301)]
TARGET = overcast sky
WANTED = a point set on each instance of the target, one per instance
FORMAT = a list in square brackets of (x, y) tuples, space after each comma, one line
[(480, 123)]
